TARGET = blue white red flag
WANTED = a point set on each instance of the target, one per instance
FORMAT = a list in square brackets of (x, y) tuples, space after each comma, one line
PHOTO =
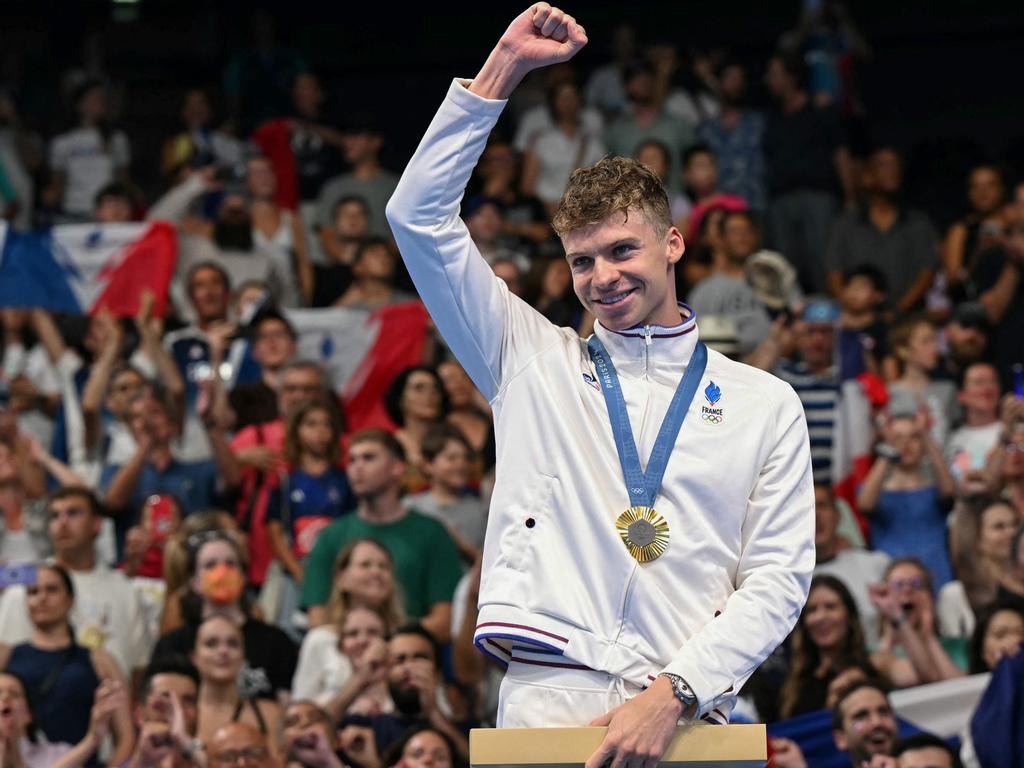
[(80, 268)]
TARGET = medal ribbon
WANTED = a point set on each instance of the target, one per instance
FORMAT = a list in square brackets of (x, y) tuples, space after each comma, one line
[(641, 486)]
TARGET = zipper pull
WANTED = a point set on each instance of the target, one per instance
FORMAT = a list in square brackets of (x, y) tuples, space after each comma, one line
[(647, 335)]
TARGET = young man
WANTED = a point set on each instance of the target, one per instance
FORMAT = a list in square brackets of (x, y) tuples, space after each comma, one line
[(863, 723), (107, 613), (166, 714), (426, 560), (672, 623)]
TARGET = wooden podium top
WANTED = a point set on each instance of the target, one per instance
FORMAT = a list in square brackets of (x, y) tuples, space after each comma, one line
[(694, 746)]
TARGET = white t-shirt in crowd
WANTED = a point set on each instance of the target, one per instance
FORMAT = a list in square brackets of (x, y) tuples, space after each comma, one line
[(857, 568), (969, 447), (88, 163)]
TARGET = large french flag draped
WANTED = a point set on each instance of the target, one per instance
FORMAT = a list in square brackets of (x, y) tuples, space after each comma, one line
[(82, 268), (362, 352)]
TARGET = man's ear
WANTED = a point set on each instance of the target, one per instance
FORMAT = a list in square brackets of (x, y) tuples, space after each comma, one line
[(675, 245), (840, 739)]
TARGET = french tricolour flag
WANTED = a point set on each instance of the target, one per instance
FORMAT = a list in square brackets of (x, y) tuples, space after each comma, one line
[(81, 268)]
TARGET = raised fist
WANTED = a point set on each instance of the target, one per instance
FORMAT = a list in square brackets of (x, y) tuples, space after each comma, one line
[(542, 35)]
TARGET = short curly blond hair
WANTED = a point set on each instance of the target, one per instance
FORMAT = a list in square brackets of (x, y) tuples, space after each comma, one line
[(614, 184)]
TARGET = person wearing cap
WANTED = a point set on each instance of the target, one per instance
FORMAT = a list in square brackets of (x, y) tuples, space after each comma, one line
[(362, 140), (633, 603), (815, 377), (967, 336), (274, 343)]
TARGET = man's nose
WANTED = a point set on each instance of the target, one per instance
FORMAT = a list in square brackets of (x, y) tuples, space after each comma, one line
[(606, 274)]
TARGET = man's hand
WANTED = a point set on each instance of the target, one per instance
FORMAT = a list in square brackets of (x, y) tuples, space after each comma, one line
[(539, 36), (786, 754), (640, 730), (359, 744)]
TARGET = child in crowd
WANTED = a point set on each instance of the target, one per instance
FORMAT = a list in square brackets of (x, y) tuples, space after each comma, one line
[(310, 496), (448, 462), (915, 344), (862, 332), (700, 179)]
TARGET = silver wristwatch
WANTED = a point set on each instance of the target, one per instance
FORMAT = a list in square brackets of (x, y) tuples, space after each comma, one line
[(682, 690)]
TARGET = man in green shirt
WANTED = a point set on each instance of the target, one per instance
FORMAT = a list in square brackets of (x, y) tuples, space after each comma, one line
[(426, 560)]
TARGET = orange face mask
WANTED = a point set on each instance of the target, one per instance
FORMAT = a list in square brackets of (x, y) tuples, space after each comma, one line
[(222, 584)]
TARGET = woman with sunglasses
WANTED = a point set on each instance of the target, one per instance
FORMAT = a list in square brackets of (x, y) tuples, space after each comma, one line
[(217, 587), (911, 652)]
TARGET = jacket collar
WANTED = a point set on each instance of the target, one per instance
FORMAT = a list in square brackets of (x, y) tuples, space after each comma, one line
[(644, 349)]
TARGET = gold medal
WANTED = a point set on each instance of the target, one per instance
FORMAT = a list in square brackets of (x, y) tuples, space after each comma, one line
[(644, 532)]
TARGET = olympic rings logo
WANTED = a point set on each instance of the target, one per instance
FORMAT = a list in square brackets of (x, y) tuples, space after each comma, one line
[(712, 418)]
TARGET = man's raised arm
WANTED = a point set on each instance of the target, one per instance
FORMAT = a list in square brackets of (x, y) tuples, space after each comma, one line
[(469, 305)]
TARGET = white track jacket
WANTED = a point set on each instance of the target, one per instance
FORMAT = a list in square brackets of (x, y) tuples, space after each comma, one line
[(737, 493)]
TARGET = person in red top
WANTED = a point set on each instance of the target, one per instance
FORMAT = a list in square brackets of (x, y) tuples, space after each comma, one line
[(259, 449)]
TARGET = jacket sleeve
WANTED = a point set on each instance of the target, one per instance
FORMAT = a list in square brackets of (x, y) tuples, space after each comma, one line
[(473, 309), (774, 570)]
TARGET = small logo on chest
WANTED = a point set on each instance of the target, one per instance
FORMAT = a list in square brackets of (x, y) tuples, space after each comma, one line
[(710, 413), (592, 381)]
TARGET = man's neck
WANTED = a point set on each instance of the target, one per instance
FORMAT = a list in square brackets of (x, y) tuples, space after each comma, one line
[(78, 560), (826, 553), (374, 290), (382, 509), (204, 323)]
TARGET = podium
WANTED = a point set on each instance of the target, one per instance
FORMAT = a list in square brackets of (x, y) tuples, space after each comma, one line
[(694, 746)]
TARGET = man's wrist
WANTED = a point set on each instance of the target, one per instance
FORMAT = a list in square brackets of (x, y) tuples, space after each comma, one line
[(682, 693), (499, 76)]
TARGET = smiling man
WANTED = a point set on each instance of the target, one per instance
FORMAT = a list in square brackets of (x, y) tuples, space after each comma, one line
[(651, 533)]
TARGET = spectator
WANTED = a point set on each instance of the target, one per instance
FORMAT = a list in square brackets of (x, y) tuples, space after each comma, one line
[(350, 229), (549, 290), (199, 144), (166, 715), (23, 536), (735, 137), (883, 232), (62, 700), (219, 656), (970, 446), (725, 291), (566, 144), (216, 586), (342, 666), (374, 272), (414, 679), (828, 639), (107, 613), (361, 144), (998, 634), (911, 651), (114, 204), (1011, 588), (470, 412), (856, 568), (33, 386), (508, 269), (655, 155), (416, 401), (280, 233), (485, 220), (976, 232), (645, 118), (259, 449), (423, 747), (448, 461), (235, 742), (312, 494), (967, 336), (316, 147), (922, 750), (497, 176), (606, 88), (219, 233), (426, 560), (364, 577), (87, 157), (805, 159), (274, 342), (309, 739), (700, 181), (257, 79), (19, 743), (997, 277), (815, 377), (539, 118), (982, 534), (915, 345), (154, 469), (1006, 466), (862, 331), (906, 503), (863, 723)]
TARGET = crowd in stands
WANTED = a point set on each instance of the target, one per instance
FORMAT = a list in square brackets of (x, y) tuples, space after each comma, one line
[(203, 563)]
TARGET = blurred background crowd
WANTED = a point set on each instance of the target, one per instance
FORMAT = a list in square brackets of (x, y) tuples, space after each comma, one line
[(227, 533)]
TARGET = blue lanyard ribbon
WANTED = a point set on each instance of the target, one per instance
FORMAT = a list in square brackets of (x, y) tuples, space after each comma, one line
[(643, 487)]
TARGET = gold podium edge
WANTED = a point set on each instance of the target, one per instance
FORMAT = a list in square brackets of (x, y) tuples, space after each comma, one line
[(694, 746)]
